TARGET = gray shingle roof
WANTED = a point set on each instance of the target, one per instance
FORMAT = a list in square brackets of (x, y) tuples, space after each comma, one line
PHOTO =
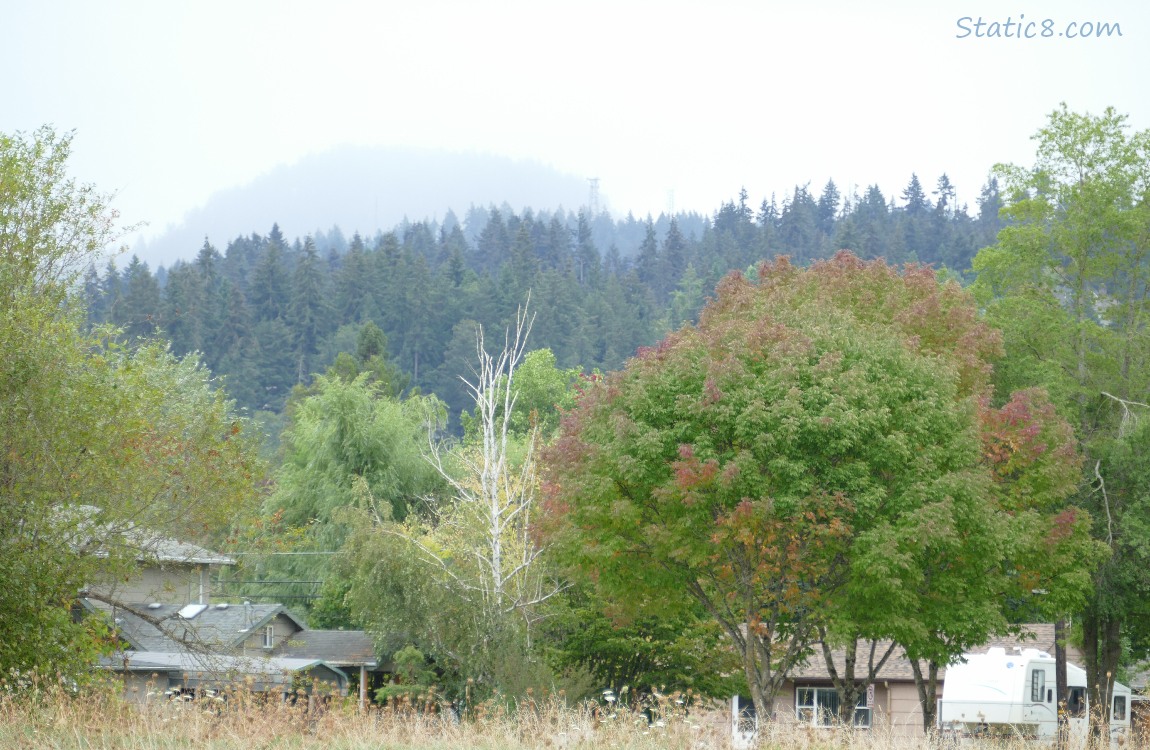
[(174, 551), (218, 628), (197, 668), (340, 647), (92, 528)]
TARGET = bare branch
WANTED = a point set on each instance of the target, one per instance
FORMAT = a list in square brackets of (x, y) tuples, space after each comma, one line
[(1105, 503), (1127, 415)]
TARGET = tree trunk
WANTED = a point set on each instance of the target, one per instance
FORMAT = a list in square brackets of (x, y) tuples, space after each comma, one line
[(927, 686), (1060, 687), (1111, 631), (1091, 647)]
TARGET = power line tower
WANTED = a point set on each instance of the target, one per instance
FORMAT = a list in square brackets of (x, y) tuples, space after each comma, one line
[(593, 199)]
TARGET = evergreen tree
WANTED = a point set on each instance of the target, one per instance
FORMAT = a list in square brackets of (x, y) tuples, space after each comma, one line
[(494, 244), (674, 253), (309, 311), (181, 312), (648, 264), (798, 226), (828, 208), (270, 282), (352, 283), (520, 273), (587, 257), (914, 197), (139, 311)]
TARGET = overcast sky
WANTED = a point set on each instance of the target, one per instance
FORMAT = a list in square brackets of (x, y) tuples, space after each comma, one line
[(668, 104)]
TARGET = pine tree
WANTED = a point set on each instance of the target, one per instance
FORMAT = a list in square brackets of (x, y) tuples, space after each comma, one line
[(648, 264), (674, 253), (798, 226), (270, 283), (587, 257), (828, 208), (914, 197), (309, 312), (139, 311), (182, 321)]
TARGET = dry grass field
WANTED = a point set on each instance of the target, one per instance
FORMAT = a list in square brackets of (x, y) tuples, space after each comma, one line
[(238, 721)]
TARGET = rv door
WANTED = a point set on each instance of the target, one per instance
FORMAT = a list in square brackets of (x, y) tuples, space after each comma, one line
[(1038, 704)]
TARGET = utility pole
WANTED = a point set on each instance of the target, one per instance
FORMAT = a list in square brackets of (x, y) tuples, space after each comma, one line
[(593, 200)]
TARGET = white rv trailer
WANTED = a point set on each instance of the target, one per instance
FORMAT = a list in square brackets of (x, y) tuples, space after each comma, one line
[(1013, 694)]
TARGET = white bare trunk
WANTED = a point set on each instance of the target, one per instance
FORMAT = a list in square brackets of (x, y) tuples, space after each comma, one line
[(492, 492)]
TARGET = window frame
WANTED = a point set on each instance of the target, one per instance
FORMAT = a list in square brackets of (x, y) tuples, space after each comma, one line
[(1076, 702), (1119, 700), (823, 714), (1037, 685), (269, 636)]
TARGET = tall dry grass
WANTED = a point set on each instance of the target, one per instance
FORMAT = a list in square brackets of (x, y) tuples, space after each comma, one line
[(51, 717)]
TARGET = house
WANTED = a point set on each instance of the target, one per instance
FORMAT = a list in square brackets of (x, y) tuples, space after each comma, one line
[(169, 571), (346, 649), (174, 638), (152, 674), (892, 703)]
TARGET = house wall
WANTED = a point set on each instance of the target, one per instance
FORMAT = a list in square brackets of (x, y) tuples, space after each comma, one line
[(137, 686), (171, 584), (904, 715), (284, 629), (896, 709)]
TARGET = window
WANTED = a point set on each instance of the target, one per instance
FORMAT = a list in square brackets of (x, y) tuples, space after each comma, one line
[(1037, 685), (1119, 713), (819, 706), (269, 636), (1076, 703), (746, 720)]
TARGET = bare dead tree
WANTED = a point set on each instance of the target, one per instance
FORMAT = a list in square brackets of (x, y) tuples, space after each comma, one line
[(493, 484)]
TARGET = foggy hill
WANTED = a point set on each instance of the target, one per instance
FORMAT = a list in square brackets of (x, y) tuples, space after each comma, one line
[(363, 189)]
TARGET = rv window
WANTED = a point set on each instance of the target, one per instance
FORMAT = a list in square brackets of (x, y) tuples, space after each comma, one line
[(1119, 708), (1076, 704), (1037, 684)]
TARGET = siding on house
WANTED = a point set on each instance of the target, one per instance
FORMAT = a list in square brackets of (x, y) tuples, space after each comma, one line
[(165, 583), (897, 708)]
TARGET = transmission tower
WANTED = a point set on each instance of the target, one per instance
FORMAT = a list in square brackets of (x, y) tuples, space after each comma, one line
[(593, 200)]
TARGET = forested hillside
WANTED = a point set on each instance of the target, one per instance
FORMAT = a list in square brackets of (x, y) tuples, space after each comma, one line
[(839, 453), (267, 311)]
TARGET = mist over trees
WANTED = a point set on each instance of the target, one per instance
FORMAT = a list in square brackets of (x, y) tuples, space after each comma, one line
[(268, 312), (926, 426)]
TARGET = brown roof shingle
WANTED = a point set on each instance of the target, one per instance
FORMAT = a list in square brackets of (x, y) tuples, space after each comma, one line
[(897, 666)]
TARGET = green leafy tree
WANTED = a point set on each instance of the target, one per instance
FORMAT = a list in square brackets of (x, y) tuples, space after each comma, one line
[(346, 432), (799, 462), (99, 440), (1066, 281), (350, 444), (542, 391), (654, 653)]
